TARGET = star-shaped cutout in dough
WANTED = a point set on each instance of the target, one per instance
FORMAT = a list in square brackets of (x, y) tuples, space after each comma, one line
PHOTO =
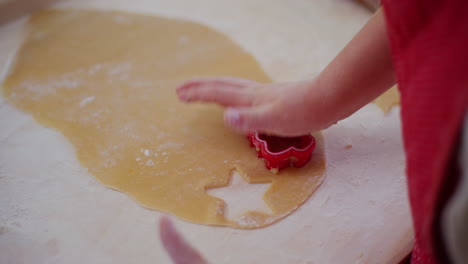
[(241, 196)]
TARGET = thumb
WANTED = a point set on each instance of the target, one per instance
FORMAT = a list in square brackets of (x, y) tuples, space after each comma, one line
[(248, 119)]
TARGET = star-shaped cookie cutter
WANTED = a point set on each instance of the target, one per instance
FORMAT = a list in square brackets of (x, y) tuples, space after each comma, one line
[(282, 152)]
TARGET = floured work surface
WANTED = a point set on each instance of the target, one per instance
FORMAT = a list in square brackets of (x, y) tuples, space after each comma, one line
[(106, 80)]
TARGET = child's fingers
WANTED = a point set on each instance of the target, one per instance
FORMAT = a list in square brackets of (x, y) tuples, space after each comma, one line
[(222, 95), (179, 250), (223, 91), (231, 81), (250, 119)]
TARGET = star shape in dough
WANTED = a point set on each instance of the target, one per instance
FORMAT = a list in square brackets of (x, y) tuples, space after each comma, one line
[(241, 196)]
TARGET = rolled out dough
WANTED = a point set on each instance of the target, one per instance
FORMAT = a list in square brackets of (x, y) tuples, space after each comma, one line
[(388, 99), (106, 80)]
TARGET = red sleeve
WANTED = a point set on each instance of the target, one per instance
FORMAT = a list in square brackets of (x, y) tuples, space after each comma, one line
[(429, 42)]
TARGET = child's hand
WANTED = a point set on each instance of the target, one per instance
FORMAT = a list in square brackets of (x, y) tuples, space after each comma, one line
[(286, 109), (362, 71)]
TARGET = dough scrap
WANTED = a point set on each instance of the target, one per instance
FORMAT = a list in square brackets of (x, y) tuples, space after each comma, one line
[(106, 81), (388, 100)]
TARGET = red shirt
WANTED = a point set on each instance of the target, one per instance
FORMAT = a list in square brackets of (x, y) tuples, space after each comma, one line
[(429, 43)]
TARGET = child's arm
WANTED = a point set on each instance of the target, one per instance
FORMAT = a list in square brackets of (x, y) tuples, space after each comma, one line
[(361, 71)]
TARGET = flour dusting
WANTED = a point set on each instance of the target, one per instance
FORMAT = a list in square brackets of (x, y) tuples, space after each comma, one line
[(170, 145), (147, 152), (87, 100)]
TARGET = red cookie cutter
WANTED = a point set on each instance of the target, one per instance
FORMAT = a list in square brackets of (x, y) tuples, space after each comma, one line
[(281, 152)]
